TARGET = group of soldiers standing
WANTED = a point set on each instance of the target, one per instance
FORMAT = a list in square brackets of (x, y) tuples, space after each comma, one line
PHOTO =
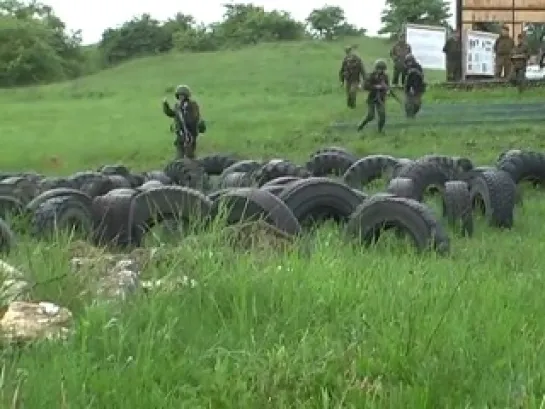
[(406, 70), (511, 59)]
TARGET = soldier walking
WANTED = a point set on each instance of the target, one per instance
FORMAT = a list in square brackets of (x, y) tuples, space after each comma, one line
[(352, 72)]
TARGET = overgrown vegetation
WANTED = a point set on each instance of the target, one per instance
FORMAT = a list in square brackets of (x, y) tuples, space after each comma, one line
[(345, 327)]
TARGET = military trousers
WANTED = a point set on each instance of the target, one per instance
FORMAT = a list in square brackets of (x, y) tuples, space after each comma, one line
[(399, 74), (375, 108), (413, 103), (186, 149), (351, 89), (503, 66), (454, 72)]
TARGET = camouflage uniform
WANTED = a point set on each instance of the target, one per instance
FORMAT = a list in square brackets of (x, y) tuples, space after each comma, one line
[(377, 83), (398, 53), (190, 119), (503, 48), (453, 54), (414, 86), (352, 72), (519, 59)]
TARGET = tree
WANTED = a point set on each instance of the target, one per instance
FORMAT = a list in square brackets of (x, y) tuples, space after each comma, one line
[(138, 37), (248, 24), (399, 12), (35, 46), (326, 21)]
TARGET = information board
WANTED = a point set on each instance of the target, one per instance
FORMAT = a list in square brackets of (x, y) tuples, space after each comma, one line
[(427, 43), (479, 53)]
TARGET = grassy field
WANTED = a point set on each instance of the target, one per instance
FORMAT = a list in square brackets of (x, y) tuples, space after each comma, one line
[(342, 328)]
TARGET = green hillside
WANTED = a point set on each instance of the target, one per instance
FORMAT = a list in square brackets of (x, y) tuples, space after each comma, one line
[(324, 325), (267, 100)]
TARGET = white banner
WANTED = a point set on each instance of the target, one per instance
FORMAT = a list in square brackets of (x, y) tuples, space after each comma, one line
[(479, 53), (427, 43)]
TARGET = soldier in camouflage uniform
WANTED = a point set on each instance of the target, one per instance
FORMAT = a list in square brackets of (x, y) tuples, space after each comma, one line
[(503, 48), (378, 85), (519, 58), (414, 86), (187, 121), (398, 53), (453, 55), (351, 74)]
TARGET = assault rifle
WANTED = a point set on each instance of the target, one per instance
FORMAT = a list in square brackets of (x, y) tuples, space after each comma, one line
[(183, 132)]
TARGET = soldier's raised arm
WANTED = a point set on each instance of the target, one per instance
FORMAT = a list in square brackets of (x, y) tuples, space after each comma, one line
[(167, 110)]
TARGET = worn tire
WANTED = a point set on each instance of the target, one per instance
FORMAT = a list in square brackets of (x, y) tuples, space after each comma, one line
[(524, 166), (167, 203), (494, 194), (401, 187), (62, 213), (368, 169), (85, 199), (236, 179), (457, 207), (251, 204), (277, 168), (385, 211), (111, 214), (157, 175), (188, 173), (317, 199), (215, 164), (329, 163), (425, 175)]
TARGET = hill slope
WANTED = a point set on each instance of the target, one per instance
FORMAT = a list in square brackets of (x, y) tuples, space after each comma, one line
[(259, 101)]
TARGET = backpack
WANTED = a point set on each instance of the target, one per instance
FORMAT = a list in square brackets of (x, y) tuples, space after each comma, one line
[(415, 80)]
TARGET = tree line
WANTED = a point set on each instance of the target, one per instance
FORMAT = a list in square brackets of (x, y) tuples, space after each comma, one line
[(36, 47)]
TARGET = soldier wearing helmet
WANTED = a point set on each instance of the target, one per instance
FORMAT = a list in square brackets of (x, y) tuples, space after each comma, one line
[(352, 72), (187, 121), (378, 85), (414, 86)]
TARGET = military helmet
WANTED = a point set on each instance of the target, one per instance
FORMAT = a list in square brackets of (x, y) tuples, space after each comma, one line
[(348, 49), (409, 58), (182, 91), (380, 65)]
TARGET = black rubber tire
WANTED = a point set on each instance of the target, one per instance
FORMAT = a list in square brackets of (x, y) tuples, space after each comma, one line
[(277, 168), (329, 163), (173, 203), (424, 175), (188, 173), (315, 200), (493, 193), (111, 214), (62, 213), (215, 164), (250, 204), (382, 212), (85, 199), (457, 207), (368, 169), (401, 187), (236, 179)]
